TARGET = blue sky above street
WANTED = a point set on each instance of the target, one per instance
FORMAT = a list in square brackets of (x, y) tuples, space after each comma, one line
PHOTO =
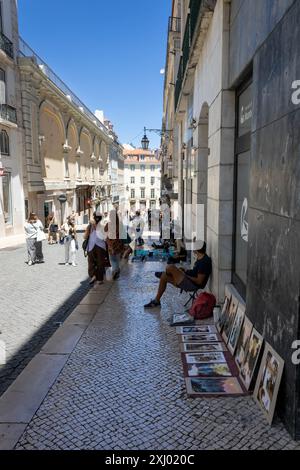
[(109, 53)]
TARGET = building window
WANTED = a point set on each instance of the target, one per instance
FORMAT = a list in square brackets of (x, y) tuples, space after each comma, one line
[(132, 193), (142, 179), (132, 180), (152, 180), (7, 202), (142, 157), (4, 143), (152, 168), (2, 87), (142, 167), (132, 167), (142, 193), (242, 175), (152, 194)]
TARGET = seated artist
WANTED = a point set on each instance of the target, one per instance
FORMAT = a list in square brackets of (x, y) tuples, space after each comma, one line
[(187, 280)]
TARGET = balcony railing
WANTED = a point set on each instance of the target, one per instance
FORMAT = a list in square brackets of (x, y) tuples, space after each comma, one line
[(8, 113), (6, 45), (174, 24), (190, 28), (26, 51)]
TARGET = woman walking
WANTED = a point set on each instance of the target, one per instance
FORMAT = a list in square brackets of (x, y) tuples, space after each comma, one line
[(115, 244), (69, 240), (52, 229), (96, 249), (34, 231)]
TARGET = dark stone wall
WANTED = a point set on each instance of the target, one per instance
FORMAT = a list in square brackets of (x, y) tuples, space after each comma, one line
[(270, 38), (251, 22)]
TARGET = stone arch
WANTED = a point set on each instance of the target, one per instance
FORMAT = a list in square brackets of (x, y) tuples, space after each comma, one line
[(71, 125), (202, 153), (52, 138)]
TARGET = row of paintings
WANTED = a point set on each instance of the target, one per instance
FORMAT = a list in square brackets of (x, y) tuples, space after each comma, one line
[(246, 344), (207, 370)]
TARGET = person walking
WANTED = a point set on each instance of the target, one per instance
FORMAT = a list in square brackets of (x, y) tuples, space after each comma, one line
[(96, 249), (138, 226), (34, 232), (69, 240), (52, 229), (114, 230)]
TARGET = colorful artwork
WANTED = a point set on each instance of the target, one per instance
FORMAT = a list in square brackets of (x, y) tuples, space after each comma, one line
[(201, 329), (209, 370), (194, 358), (213, 386), (203, 347), (199, 338)]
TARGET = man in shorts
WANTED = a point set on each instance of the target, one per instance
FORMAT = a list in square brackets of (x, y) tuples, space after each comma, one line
[(187, 280)]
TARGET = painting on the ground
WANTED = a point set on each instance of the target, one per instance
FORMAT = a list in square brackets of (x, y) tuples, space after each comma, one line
[(236, 328), (185, 330), (268, 382), (203, 347), (251, 359), (230, 319), (209, 370), (199, 338), (224, 314), (181, 319), (205, 357), (243, 342), (213, 386)]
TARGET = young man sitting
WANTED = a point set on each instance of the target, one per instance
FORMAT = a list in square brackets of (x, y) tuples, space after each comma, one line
[(187, 280)]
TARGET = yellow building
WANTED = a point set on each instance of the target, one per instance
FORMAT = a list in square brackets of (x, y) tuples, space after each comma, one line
[(66, 145)]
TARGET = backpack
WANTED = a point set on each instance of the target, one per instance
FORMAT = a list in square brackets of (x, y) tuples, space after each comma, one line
[(203, 306)]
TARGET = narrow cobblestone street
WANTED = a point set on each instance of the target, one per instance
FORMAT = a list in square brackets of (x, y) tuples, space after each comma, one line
[(123, 386), (44, 295)]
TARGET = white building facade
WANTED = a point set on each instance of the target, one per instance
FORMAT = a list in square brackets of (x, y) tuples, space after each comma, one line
[(11, 133), (142, 176)]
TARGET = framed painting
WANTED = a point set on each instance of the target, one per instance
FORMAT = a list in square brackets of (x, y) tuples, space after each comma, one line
[(213, 386), (236, 328), (243, 342), (224, 313), (251, 359), (230, 319), (203, 347), (268, 382)]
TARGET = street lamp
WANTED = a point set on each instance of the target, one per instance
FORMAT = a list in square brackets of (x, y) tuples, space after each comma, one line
[(145, 141)]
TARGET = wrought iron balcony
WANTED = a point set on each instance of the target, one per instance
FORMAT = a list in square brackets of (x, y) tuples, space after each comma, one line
[(174, 24), (6, 45), (8, 113)]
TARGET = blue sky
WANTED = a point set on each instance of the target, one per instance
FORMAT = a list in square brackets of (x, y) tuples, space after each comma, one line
[(108, 52)]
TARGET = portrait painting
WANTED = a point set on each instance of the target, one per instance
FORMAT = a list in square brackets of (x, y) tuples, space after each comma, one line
[(268, 382), (236, 328), (229, 320), (224, 314), (251, 358), (243, 342)]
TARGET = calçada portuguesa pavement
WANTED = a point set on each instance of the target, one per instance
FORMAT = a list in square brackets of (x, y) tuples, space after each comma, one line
[(111, 378)]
